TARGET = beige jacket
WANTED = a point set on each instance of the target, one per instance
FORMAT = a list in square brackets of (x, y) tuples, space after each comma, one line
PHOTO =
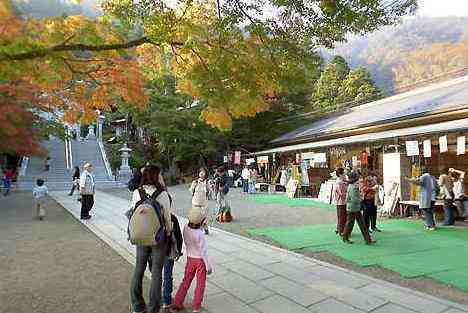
[(163, 199)]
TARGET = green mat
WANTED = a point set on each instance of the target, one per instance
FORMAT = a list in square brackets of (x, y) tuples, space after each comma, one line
[(403, 247), (284, 200)]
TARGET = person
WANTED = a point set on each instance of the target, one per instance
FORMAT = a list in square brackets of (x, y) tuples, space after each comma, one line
[(353, 208), (341, 188), (135, 181), (447, 194), (253, 180), (283, 178), (426, 192), (200, 191), (87, 189), (222, 190), (40, 192), (75, 180), (175, 244), (368, 186), (151, 185), (8, 175), (47, 164), (245, 179), (459, 191), (198, 263)]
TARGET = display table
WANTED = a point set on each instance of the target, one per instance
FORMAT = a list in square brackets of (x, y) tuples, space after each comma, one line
[(413, 206)]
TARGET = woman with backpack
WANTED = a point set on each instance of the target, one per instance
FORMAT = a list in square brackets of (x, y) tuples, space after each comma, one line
[(151, 189), (200, 190), (75, 180)]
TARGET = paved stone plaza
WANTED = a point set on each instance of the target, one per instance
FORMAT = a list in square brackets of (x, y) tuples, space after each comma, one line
[(250, 276)]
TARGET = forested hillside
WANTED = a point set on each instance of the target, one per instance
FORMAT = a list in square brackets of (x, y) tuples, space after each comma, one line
[(416, 49)]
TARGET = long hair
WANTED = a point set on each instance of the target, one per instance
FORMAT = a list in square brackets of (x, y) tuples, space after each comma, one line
[(150, 177), (77, 171)]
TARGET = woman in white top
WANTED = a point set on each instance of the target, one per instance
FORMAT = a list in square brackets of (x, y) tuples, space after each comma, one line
[(151, 184), (458, 178), (283, 178), (200, 190)]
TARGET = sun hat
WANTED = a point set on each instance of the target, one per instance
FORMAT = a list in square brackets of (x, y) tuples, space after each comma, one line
[(196, 215)]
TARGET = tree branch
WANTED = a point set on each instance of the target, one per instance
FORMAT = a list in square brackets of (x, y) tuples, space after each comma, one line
[(77, 47)]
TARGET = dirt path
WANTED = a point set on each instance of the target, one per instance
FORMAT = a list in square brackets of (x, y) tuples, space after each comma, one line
[(56, 265)]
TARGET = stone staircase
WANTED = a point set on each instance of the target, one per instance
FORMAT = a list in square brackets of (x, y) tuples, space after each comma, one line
[(59, 177)]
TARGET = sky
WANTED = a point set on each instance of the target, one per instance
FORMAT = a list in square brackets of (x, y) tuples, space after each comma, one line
[(443, 8)]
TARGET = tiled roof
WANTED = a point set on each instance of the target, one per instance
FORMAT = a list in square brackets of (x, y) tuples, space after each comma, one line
[(446, 95)]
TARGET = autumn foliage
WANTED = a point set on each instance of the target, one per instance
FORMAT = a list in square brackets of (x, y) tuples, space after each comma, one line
[(231, 59)]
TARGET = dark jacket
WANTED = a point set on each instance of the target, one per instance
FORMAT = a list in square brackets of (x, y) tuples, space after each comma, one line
[(134, 182), (177, 234)]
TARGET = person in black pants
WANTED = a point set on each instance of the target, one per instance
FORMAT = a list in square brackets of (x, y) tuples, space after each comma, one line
[(368, 187), (87, 191)]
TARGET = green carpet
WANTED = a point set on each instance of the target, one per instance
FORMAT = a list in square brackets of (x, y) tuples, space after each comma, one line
[(403, 247), (284, 200)]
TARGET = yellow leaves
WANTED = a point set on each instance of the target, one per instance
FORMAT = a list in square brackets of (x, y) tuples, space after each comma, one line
[(218, 118), (10, 24)]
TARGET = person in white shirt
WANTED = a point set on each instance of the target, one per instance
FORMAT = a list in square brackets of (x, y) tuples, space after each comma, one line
[(87, 187), (245, 179), (200, 190), (40, 192), (458, 178)]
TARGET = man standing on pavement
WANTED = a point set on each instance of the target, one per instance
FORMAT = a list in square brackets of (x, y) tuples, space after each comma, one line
[(245, 179), (87, 187), (426, 182)]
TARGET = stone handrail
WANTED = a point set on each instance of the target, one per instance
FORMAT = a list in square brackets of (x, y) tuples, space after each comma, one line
[(104, 158)]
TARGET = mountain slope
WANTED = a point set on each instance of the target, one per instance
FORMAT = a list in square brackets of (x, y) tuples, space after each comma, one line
[(389, 54)]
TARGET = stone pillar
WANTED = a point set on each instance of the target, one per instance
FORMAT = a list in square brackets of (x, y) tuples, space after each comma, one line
[(125, 170)]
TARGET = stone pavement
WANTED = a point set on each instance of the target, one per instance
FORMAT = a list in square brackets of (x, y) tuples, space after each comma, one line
[(252, 277)]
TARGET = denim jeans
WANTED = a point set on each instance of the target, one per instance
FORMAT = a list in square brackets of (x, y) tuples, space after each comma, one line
[(143, 253), (245, 185), (429, 217), (167, 281), (448, 212)]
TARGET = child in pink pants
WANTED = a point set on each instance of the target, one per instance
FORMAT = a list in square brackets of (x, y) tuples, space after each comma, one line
[(197, 260)]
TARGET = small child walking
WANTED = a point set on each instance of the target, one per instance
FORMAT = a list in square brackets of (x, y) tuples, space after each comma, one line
[(197, 261), (353, 207), (39, 192)]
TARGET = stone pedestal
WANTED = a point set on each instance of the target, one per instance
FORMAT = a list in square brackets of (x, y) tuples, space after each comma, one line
[(125, 171)]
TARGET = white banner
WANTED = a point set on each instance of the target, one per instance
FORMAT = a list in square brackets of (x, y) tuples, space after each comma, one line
[(461, 145), (427, 148), (412, 148), (262, 159), (443, 146)]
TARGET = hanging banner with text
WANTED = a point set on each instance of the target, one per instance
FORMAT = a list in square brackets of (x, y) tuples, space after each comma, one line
[(461, 145), (443, 145), (412, 148), (427, 148)]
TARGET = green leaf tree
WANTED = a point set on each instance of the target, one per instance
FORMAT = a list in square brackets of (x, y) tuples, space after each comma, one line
[(358, 87)]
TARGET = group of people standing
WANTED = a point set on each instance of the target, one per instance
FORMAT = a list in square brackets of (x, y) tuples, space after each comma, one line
[(160, 256), (249, 177), (449, 187), (355, 192)]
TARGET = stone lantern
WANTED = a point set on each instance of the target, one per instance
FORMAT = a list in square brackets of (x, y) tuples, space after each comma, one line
[(91, 133), (125, 170)]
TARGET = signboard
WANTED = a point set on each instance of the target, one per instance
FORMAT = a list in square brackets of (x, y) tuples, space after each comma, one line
[(308, 155), (443, 146), (412, 148), (262, 159), (320, 158), (249, 161), (461, 145), (226, 159), (427, 148)]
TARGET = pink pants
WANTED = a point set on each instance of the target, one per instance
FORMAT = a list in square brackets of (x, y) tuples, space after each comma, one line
[(193, 266)]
